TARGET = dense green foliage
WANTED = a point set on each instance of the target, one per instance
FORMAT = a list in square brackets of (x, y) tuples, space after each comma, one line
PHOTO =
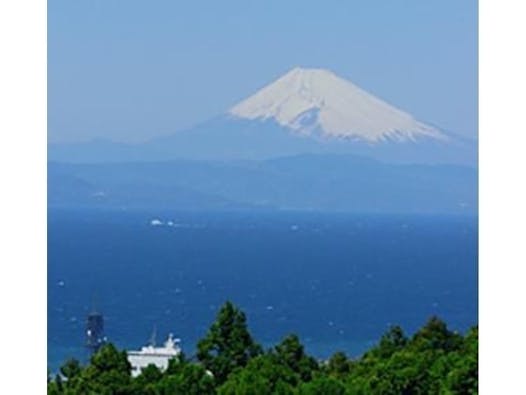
[(434, 360), (228, 344)]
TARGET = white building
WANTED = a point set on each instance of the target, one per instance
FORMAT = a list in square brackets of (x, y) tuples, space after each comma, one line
[(158, 356)]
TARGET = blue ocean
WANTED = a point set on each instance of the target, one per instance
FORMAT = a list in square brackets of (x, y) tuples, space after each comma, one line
[(337, 280)]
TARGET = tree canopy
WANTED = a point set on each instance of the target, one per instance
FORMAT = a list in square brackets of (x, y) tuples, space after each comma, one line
[(228, 344), (435, 360)]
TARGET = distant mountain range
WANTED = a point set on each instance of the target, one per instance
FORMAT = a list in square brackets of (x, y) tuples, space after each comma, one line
[(305, 182), (308, 141), (304, 111)]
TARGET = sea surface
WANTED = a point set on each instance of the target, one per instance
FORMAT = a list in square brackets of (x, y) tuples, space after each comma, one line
[(337, 280)]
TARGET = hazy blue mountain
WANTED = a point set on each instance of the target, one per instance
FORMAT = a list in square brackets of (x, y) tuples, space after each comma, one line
[(301, 142), (305, 111), (227, 138), (304, 182)]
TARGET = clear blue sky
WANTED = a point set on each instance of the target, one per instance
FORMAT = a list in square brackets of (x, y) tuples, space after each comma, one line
[(131, 70)]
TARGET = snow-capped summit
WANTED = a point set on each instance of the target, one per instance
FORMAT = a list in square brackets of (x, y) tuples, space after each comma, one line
[(318, 102), (306, 111)]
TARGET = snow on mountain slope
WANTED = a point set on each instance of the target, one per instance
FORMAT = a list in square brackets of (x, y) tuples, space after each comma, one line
[(317, 102)]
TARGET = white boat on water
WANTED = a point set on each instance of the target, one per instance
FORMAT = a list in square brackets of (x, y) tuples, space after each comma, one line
[(158, 356)]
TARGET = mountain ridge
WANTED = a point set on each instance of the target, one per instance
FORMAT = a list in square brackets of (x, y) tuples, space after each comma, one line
[(305, 182), (306, 112)]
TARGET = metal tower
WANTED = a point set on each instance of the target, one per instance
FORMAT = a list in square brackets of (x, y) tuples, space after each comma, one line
[(95, 337)]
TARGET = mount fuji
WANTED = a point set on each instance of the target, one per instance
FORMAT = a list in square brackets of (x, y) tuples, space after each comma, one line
[(316, 102), (306, 111)]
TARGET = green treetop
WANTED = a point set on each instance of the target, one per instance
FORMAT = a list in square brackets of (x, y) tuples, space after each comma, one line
[(228, 343)]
